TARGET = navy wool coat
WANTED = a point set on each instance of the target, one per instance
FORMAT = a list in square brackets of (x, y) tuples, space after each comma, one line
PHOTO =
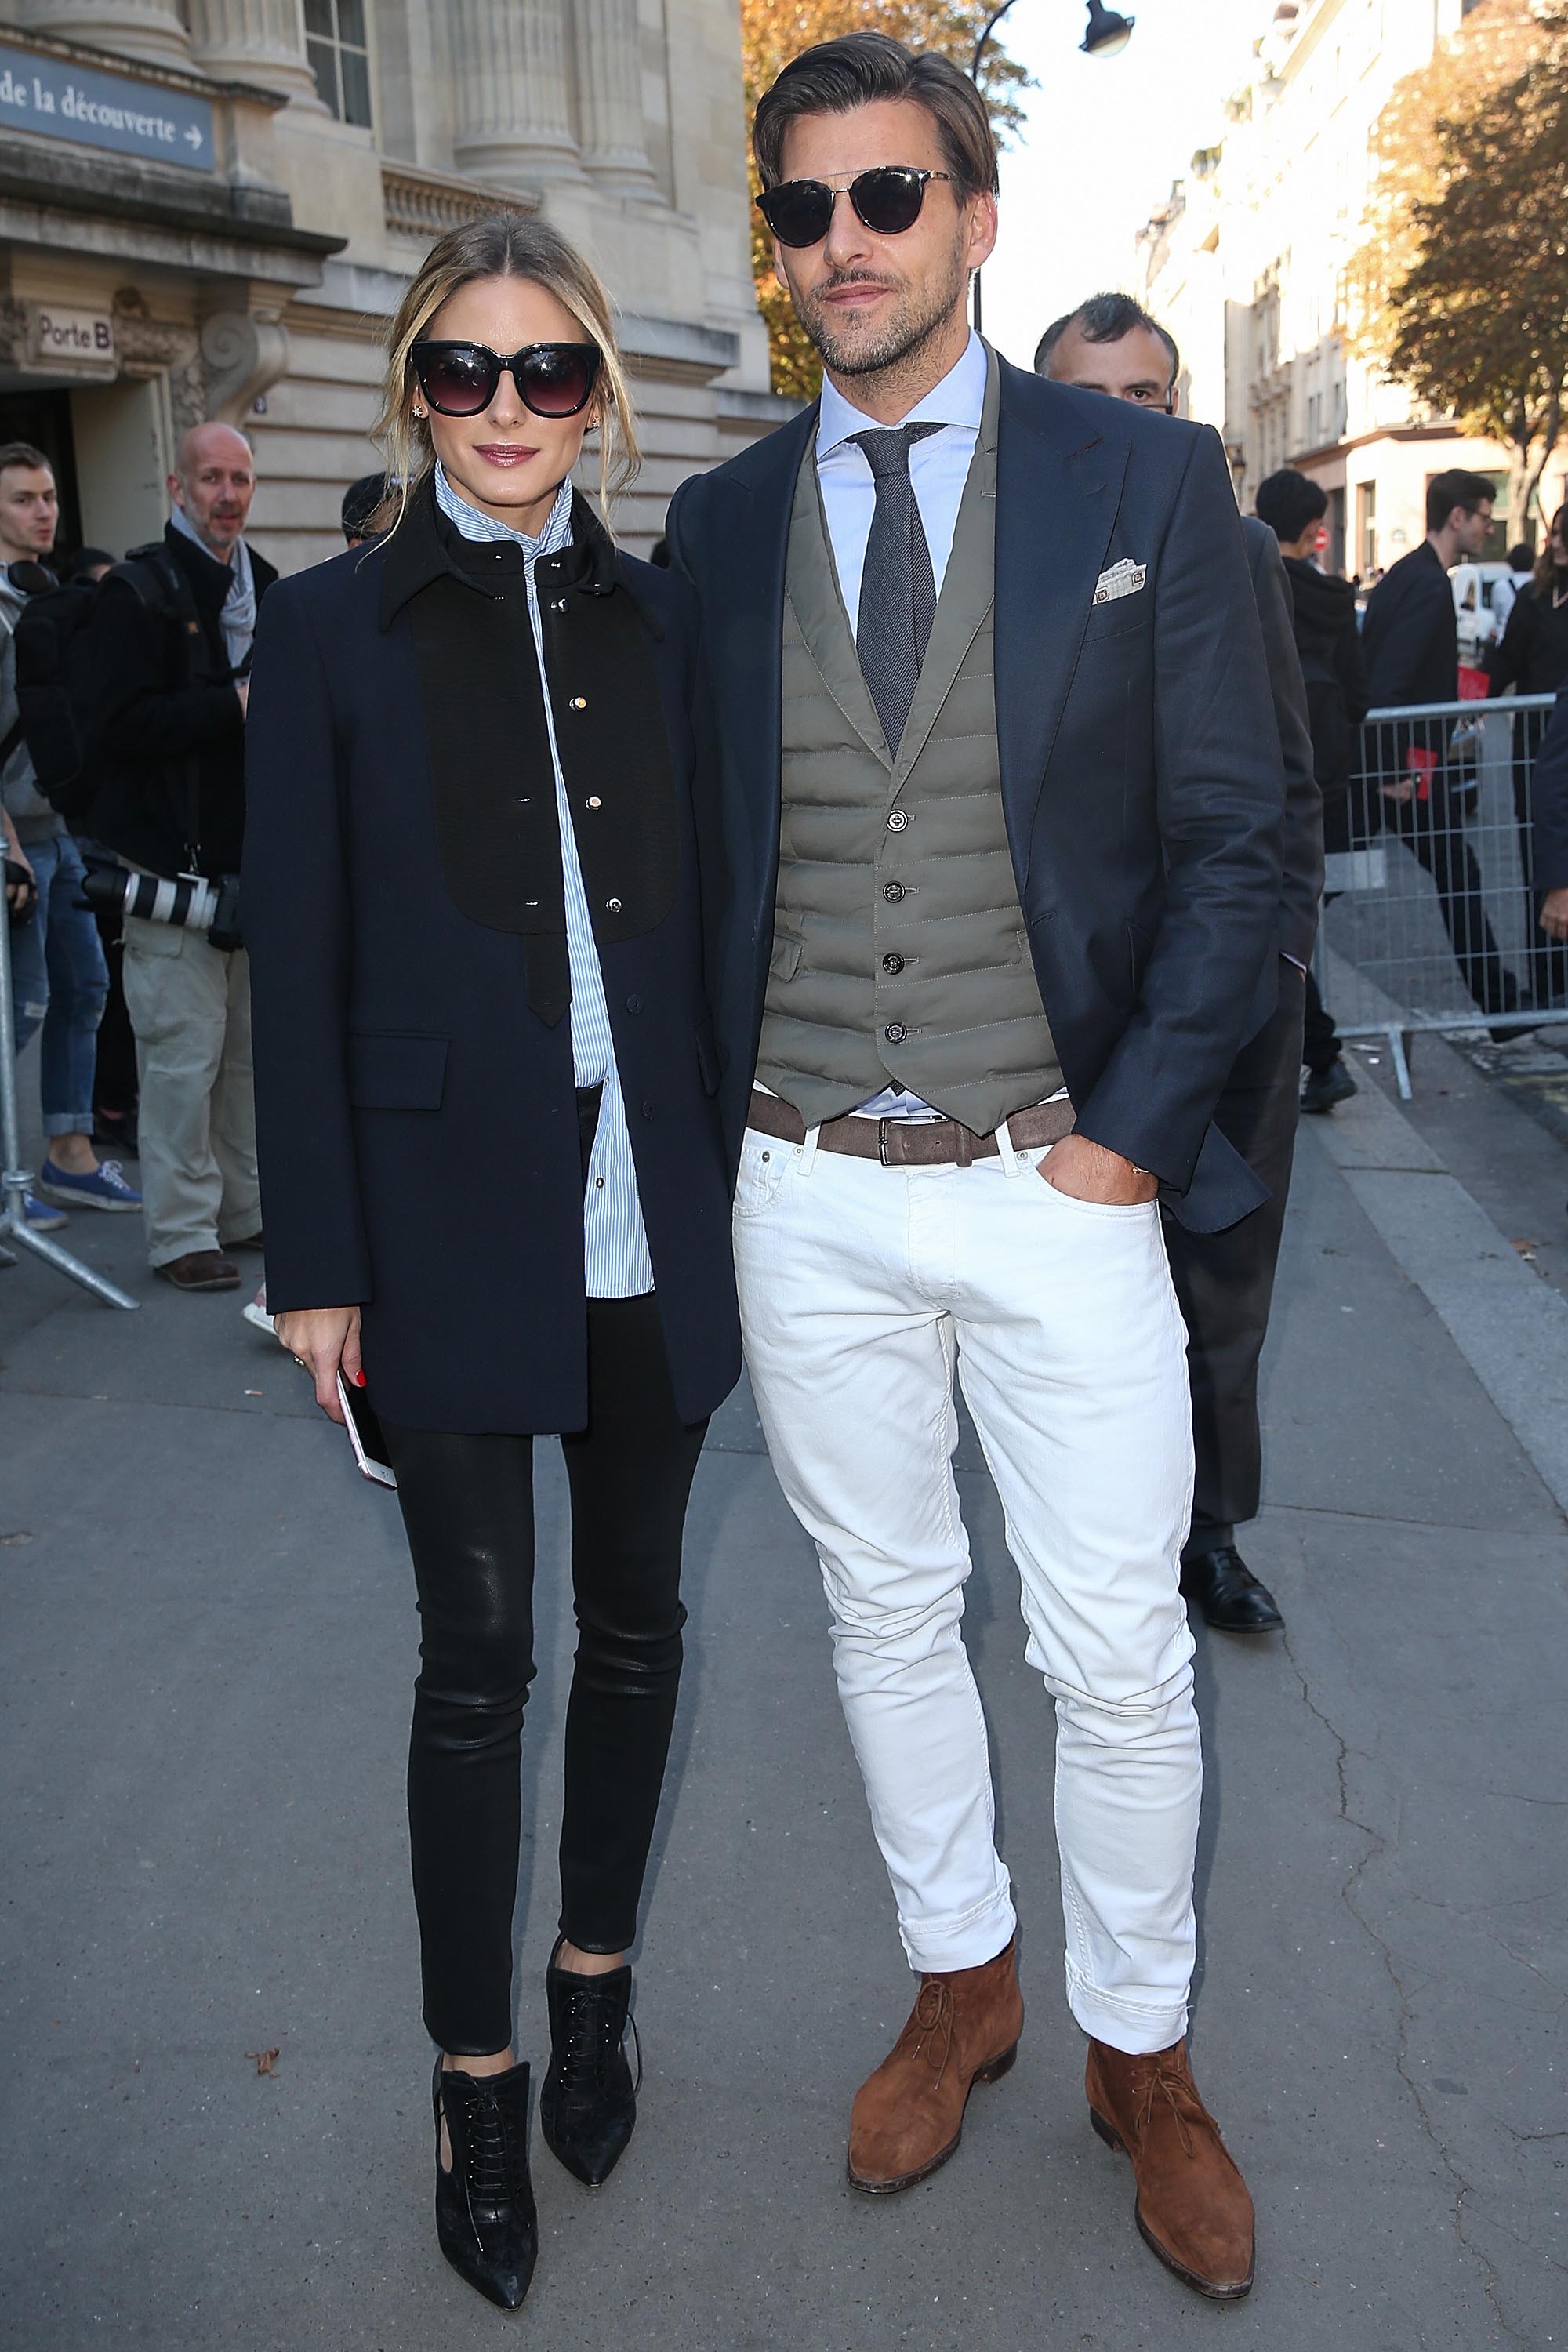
[(417, 1119)]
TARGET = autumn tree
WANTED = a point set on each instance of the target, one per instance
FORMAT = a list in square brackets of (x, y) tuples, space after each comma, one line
[(774, 31), (1462, 286)]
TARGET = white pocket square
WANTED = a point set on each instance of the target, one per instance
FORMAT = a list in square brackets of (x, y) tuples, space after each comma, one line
[(1123, 579)]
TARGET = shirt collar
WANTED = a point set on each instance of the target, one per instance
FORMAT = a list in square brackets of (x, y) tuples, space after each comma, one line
[(958, 399), (472, 524)]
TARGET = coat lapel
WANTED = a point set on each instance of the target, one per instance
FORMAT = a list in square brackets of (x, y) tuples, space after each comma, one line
[(741, 570), (816, 601), (1058, 485)]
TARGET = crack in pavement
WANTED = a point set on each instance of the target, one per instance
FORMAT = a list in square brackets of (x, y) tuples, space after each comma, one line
[(1379, 1845)]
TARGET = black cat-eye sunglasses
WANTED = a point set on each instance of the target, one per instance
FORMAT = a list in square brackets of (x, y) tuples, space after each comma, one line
[(552, 379)]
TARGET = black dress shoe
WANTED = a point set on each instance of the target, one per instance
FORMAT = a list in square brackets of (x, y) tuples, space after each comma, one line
[(485, 2218), (1231, 1598), (589, 2103), (1322, 1089)]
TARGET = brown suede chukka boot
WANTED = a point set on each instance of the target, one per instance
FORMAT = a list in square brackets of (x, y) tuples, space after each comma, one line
[(1192, 2208), (908, 2117)]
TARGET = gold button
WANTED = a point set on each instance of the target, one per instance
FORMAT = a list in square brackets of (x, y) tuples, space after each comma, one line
[(593, 801), (579, 702)]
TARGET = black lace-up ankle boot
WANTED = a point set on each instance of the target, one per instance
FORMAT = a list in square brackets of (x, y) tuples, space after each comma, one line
[(589, 2103), (484, 2206)]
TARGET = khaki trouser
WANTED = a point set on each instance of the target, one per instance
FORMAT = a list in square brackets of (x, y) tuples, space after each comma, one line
[(190, 1007)]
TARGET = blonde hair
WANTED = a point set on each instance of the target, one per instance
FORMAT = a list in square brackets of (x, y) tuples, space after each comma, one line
[(501, 245)]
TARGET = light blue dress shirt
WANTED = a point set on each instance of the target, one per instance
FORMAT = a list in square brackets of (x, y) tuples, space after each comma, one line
[(616, 1260)]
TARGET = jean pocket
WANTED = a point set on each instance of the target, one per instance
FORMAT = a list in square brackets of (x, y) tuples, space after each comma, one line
[(765, 1161)]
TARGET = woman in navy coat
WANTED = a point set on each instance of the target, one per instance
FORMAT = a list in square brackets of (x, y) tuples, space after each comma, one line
[(493, 1178)]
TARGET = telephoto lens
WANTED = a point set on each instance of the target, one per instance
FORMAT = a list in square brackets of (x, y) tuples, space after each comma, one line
[(190, 902)]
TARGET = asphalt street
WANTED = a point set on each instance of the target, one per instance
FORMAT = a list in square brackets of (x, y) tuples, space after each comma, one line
[(209, 1643)]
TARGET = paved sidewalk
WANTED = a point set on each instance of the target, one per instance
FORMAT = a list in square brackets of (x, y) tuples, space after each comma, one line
[(210, 1638)]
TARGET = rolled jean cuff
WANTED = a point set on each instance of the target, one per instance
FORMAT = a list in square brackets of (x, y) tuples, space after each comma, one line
[(68, 1122), (967, 1942), (1131, 2026)]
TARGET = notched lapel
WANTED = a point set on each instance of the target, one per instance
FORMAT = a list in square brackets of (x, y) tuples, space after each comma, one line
[(1059, 490)]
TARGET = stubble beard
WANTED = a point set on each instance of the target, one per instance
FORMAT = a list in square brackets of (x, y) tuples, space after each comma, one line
[(895, 349)]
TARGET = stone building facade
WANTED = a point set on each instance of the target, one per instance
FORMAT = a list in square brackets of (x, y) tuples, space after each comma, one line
[(1246, 264), (210, 207)]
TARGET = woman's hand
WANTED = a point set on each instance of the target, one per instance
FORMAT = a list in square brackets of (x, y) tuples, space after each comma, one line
[(1554, 914), (322, 1339)]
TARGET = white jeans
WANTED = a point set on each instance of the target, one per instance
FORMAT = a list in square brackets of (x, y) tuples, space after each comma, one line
[(859, 1286)]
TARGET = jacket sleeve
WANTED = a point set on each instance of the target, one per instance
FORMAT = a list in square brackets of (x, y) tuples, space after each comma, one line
[(1219, 795), (1301, 831), (1401, 644), (141, 721), (294, 902), (1549, 800)]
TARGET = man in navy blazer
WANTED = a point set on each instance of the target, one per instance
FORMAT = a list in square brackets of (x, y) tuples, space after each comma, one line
[(1003, 799)]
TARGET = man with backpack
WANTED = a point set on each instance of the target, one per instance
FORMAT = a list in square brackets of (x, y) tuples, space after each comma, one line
[(58, 976), (170, 639), (1293, 506)]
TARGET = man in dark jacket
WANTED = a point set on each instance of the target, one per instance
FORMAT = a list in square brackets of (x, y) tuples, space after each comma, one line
[(1411, 641), (1224, 1281), (1334, 674), (172, 652)]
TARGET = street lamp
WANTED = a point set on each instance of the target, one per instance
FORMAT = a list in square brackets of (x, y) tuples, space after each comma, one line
[(1107, 35)]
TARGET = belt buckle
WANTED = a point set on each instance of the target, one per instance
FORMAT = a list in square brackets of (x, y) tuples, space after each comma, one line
[(882, 1127)]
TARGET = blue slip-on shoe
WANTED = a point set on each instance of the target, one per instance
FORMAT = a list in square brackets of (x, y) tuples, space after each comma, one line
[(40, 1219), (105, 1188)]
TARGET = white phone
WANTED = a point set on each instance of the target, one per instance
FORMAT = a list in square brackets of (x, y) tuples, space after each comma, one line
[(365, 1435)]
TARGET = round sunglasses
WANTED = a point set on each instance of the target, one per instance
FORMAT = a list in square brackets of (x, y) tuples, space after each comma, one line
[(552, 379), (887, 199)]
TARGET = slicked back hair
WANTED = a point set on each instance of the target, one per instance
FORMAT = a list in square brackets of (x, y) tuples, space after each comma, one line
[(862, 68), (1104, 319), (22, 453)]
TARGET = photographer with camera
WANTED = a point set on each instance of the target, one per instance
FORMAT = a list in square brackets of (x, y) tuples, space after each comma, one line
[(57, 970), (171, 640)]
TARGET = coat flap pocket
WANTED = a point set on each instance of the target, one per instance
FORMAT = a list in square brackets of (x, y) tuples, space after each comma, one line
[(393, 1069)]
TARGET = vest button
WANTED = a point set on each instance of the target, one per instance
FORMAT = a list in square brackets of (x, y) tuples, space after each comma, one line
[(893, 965), (593, 801), (897, 820), (612, 906), (579, 702), (895, 1032), (892, 892)]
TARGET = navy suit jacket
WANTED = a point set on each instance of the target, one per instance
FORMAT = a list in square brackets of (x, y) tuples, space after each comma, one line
[(1140, 760), (417, 1119)]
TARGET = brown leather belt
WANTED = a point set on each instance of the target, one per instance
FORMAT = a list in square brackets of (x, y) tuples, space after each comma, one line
[(910, 1142)]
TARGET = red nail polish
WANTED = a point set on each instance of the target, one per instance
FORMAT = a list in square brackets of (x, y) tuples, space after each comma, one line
[(359, 1380)]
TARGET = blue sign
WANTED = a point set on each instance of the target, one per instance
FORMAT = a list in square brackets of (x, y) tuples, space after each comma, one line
[(57, 101)]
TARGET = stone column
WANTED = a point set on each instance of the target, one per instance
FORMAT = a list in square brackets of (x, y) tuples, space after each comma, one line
[(253, 40), (609, 97), (513, 101), (151, 30)]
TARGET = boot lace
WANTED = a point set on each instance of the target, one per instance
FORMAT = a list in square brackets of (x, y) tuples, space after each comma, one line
[(931, 2024), (1175, 2087), (590, 2034), (493, 2143)]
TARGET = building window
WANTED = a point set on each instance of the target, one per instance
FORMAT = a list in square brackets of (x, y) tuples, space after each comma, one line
[(1366, 528), (338, 41)]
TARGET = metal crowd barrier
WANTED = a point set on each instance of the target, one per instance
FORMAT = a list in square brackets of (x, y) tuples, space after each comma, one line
[(1430, 909)]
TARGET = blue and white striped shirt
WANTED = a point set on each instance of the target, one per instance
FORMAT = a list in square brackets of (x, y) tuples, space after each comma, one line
[(615, 1261)]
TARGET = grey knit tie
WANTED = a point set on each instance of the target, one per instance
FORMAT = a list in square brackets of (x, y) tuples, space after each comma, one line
[(897, 588)]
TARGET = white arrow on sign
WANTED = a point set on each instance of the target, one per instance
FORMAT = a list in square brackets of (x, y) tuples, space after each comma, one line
[(194, 135)]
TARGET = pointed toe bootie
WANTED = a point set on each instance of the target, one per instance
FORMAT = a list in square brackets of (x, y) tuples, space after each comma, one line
[(589, 2101), (484, 2207)]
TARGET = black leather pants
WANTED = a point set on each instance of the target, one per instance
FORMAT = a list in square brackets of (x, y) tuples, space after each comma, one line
[(468, 1506), (1225, 1282)]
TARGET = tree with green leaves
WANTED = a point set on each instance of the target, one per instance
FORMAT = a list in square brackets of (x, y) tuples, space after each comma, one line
[(1463, 281), (774, 31)]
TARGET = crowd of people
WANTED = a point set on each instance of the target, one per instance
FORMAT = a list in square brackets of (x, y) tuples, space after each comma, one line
[(926, 860)]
